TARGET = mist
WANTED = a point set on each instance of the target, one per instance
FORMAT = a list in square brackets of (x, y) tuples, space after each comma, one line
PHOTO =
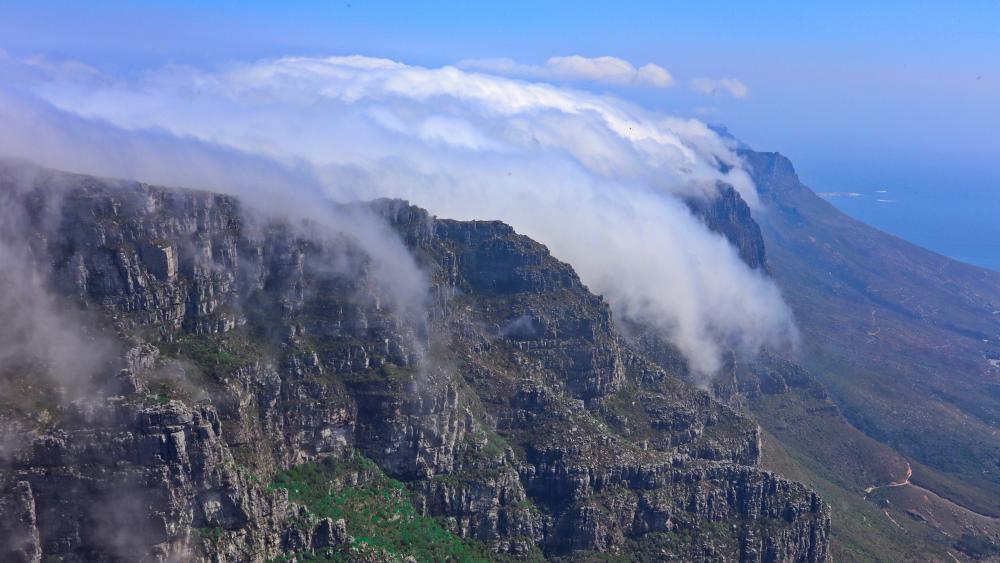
[(36, 131), (601, 182), (41, 335)]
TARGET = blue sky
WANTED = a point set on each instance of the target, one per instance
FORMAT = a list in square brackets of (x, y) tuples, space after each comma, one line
[(896, 76), (862, 96)]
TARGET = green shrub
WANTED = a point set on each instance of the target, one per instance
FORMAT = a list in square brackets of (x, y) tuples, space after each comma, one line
[(377, 510)]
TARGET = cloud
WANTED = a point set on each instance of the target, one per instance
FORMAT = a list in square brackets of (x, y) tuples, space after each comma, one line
[(731, 86), (33, 129), (598, 180), (607, 70), (321, 111)]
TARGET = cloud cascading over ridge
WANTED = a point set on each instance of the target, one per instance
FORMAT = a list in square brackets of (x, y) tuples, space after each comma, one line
[(608, 70), (598, 180)]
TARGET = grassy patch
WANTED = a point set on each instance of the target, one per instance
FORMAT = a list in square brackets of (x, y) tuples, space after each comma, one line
[(218, 355), (377, 510)]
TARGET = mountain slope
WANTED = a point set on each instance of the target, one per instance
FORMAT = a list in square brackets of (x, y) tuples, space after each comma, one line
[(906, 343), (809, 436), (259, 397)]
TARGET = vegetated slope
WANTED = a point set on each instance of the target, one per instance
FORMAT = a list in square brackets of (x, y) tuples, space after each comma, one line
[(268, 403), (906, 342), (808, 439)]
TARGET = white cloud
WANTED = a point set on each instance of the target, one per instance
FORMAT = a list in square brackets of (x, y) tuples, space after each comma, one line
[(608, 70), (598, 180), (34, 130), (732, 86)]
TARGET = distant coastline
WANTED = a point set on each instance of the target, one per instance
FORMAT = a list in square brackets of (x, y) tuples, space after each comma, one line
[(960, 228)]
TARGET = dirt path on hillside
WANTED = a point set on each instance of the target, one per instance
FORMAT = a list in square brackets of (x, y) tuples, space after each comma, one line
[(906, 481)]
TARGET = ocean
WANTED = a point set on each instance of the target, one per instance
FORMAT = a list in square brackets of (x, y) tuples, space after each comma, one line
[(947, 203), (960, 222)]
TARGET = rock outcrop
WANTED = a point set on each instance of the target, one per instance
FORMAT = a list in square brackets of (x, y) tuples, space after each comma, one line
[(729, 215)]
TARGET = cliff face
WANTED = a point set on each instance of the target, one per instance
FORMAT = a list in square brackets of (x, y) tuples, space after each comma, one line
[(728, 215), (508, 404)]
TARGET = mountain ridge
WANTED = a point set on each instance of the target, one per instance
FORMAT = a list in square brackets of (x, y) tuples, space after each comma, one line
[(302, 365), (513, 416), (901, 338)]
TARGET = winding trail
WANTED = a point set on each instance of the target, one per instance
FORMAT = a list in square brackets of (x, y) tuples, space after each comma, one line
[(906, 481)]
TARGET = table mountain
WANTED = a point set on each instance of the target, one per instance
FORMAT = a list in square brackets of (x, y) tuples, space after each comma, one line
[(258, 397)]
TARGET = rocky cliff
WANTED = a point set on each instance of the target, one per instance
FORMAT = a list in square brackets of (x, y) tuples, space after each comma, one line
[(729, 215), (503, 413)]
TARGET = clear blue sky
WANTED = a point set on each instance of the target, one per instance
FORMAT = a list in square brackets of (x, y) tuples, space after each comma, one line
[(903, 96)]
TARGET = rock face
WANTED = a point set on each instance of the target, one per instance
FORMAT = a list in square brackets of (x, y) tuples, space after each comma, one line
[(508, 402), (730, 216), (133, 481)]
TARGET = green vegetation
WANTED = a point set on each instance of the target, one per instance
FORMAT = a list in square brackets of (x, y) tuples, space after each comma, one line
[(218, 355), (977, 547), (377, 509), (808, 443), (210, 534)]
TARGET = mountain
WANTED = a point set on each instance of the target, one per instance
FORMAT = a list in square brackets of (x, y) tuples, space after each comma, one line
[(196, 380), (887, 411), (228, 385), (906, 340), (898, 373)]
